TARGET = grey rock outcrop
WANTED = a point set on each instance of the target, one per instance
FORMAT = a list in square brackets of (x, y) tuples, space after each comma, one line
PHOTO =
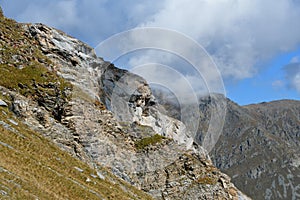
[(3, 103), (127, 95)]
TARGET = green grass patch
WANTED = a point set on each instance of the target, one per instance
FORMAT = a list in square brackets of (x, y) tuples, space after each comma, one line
[(145, 142), (23, 66), (28, 80)]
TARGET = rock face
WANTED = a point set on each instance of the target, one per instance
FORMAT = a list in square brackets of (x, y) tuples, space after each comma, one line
[(106, 117), (130, 98), (258, 147)]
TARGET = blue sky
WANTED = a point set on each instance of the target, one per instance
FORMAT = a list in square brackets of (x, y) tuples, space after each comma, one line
[(255, 44), (272, 83)]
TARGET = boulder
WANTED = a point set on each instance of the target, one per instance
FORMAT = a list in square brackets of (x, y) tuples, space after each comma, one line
[(3, 104)]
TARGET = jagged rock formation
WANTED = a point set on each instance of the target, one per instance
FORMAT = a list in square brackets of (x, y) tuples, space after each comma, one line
[(258, 147), (62, 90)]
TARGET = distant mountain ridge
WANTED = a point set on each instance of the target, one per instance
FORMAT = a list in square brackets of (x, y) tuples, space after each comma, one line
[(259, 145)]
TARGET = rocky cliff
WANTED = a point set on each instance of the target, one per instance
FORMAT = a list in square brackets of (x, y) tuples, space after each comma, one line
[(105, 117)]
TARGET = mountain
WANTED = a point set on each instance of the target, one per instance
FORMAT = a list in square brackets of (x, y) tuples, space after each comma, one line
[(74, 126), (258, 146), (271, 147)]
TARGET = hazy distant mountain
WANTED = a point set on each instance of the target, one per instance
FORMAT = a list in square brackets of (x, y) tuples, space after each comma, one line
[(259, 145)]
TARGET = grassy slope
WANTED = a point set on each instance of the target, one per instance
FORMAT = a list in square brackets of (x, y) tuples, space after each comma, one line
[(30, 165), (33, 166)]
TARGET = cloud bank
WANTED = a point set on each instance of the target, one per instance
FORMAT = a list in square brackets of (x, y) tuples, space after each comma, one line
[(240, 35)]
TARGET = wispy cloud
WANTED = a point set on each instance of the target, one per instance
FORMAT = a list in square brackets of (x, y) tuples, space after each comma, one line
[(295, 59), (278, 84)]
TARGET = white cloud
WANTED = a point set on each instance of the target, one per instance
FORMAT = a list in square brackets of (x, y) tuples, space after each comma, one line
[(200, 74), (169, 48), (173, 80), (238, 34)]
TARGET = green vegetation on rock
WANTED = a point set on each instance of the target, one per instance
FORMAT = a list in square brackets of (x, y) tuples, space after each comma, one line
[(145, 142), (207, 180), (23, 67), (25, 70)]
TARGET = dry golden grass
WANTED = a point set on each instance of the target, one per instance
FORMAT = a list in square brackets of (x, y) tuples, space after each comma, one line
[(32, 166)]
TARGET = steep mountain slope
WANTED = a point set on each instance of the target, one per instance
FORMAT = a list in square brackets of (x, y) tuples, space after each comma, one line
[(31, 166), (258, 147), (55, 89)]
